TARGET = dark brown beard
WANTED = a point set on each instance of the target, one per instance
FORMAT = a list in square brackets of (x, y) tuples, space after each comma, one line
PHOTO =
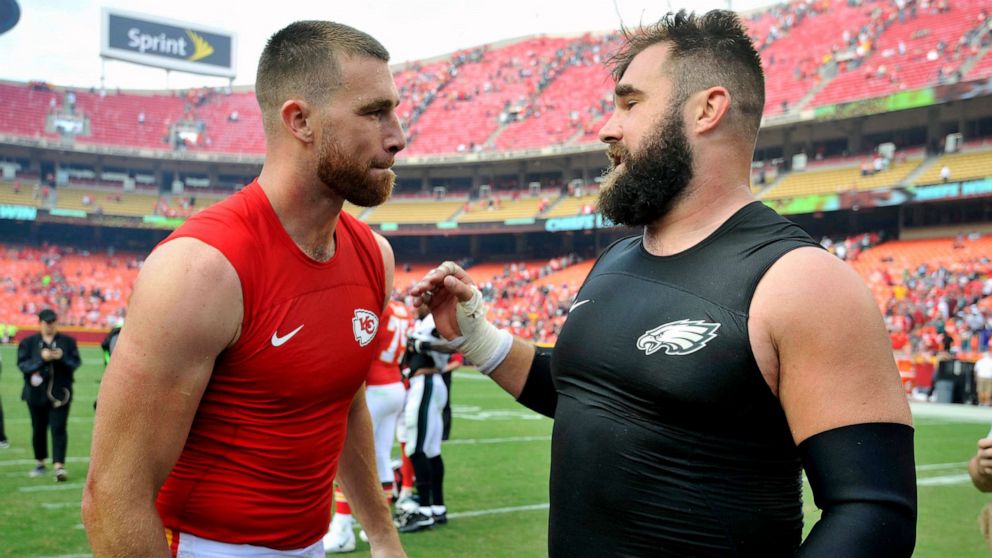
[(351, 179), (652, 179)]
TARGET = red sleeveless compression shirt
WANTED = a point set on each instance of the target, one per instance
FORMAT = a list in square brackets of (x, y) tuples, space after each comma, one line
[(263, 449), (396, 324)]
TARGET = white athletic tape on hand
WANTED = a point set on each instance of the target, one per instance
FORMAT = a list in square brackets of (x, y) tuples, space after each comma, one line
[(484, 345)]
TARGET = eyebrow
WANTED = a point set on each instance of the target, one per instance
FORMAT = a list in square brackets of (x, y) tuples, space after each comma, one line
[(378, 104), (626, 90)]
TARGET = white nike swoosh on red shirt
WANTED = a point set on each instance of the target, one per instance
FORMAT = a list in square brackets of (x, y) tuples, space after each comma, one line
[(278, 341)]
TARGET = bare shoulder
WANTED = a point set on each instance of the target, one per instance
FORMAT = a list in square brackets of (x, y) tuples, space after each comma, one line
[(188, 282), (825, 336), (805, 282), (388, 263), (385, 247)]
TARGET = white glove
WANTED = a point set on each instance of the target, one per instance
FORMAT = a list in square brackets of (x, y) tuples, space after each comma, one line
[(484, 345)]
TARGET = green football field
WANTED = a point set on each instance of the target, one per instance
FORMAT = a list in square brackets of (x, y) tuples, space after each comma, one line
[(496, 477)]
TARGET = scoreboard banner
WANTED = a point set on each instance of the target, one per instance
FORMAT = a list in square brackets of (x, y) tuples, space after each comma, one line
[(167, 43)]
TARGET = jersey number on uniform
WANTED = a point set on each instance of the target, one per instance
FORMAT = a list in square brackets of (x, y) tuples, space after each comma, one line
[(398, 344)]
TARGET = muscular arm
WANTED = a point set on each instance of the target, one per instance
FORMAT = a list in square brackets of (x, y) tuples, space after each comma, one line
[(357, 472), (360, 482), (821, 343), (186, 308)]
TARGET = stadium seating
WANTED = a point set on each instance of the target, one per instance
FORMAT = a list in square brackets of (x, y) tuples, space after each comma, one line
[(911, 279), (838, 179), (131, 203), (506, 209), (570, 206), (468, 112), (85, 289), (567, 110), (555, 90), (968, 165), (114, 118), (791, 61), (890, 68), (23, 110), (412, 212), (224, 135), (9, 196), (982, 69)]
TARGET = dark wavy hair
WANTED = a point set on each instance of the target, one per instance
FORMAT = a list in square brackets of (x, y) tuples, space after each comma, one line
[(707, 50)]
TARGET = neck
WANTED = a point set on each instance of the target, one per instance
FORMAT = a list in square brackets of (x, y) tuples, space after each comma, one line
[(306, 208), (707, 203)]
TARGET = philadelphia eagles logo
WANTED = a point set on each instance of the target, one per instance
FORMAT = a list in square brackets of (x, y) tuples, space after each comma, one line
[(678, 338)]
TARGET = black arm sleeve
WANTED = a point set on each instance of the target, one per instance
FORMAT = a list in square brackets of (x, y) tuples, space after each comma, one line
[(863, 477), (539, 393)]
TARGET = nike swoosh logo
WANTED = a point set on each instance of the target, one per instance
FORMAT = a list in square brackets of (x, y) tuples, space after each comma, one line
[(577, 304), (279, 341)]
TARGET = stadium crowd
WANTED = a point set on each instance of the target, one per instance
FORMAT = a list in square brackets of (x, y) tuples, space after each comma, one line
[(936, 307), (926, 308), (86, 289)]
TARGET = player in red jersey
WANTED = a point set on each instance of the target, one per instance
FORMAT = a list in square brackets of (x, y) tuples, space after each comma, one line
[(384, 395), (235, 394)]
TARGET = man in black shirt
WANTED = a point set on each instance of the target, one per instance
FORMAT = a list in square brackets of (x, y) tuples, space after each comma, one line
[(48, 360), (708, 361)]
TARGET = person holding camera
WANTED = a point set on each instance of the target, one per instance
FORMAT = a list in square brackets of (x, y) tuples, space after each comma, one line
[(48, 360)]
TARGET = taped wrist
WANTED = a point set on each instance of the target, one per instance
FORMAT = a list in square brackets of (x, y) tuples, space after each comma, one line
[(484, 345), (863, 477), (539, 393)]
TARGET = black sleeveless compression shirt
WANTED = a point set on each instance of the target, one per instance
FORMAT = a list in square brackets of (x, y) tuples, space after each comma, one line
[(667, 440)]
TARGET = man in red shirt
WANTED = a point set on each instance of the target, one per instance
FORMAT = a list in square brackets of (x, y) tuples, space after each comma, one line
[(236, 390), (384, 396)]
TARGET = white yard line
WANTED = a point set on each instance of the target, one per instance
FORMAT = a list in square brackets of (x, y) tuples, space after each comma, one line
[(22, 462), (51, 487), (961, 413), (28, 420), (936, 466), (474, 441), (470, 376), (477, 513), (945, 480), (60, 505)]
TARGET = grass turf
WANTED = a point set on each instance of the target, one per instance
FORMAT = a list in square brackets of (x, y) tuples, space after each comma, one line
[(496, 464)]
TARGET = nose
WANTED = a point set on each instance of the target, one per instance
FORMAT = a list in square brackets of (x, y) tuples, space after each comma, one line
[(611, 132), (395, 137)]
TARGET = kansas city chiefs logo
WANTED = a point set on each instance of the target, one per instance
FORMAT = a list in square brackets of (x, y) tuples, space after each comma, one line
[(364, 325), (678, 338)]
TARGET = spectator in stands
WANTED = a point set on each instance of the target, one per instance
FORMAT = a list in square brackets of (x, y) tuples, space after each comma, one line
[(48, 360), (945, 174), (141, 117)]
